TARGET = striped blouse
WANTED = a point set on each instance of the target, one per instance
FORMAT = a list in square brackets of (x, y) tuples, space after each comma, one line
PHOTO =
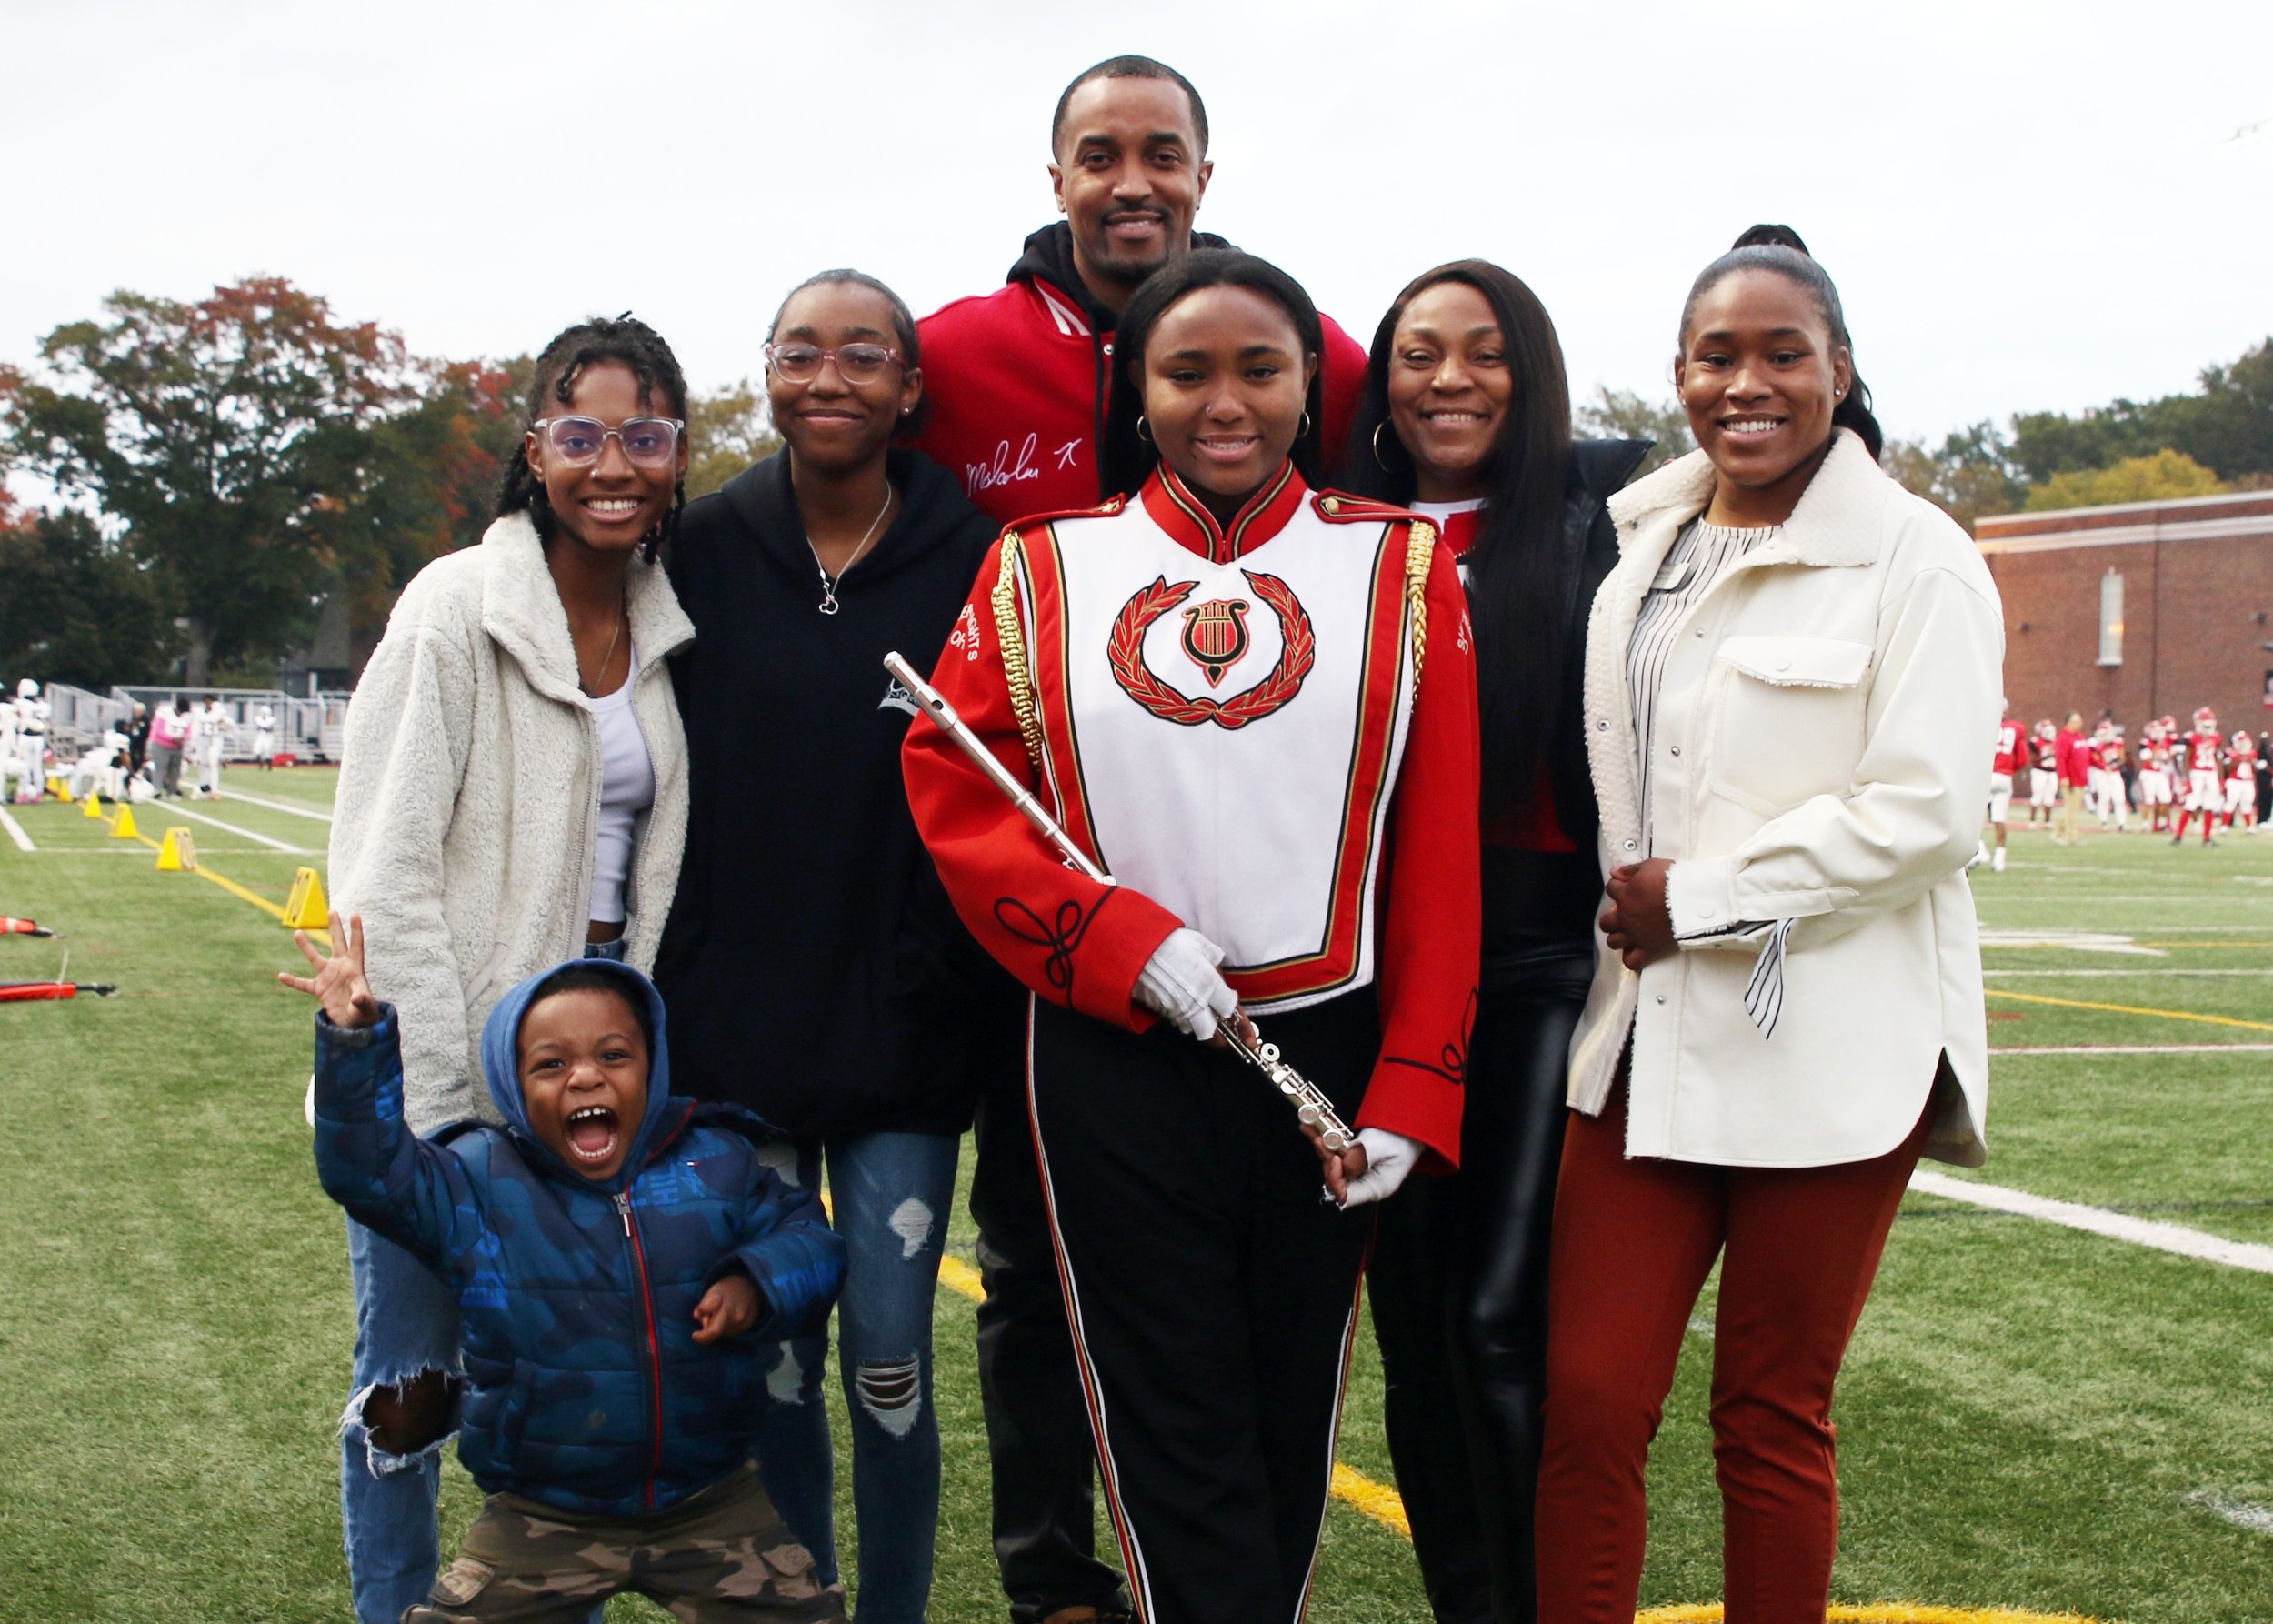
[(1701, 555)]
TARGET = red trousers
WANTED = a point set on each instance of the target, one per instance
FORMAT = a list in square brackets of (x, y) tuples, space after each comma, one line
[(1634, 1241)]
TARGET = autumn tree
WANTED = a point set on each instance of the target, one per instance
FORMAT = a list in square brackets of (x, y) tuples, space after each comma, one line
[(225, 436), (2226, 426), (727, 431), (77, 608), (1625, 415), (2166, 475), (1970, 476)]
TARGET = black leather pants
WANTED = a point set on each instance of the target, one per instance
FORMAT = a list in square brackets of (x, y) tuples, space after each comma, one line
[(1458, 1287)]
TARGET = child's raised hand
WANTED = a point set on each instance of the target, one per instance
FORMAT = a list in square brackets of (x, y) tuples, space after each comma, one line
[(727, 1310), (338, 983)]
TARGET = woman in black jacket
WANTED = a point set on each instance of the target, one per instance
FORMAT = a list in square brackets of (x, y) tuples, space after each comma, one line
[(813, 969), (1466, 418)]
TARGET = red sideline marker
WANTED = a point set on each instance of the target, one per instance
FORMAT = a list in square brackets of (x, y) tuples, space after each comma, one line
[(29, 992), (20, 928)]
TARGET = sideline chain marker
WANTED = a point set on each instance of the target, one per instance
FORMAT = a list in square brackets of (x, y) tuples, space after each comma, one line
[(179, 853), (305, 909)]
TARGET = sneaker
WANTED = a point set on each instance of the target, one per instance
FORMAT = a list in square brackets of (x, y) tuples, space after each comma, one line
[(1996, 861)]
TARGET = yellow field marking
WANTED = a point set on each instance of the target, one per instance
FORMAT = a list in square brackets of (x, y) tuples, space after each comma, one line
[(1873, 1612), (2213, 1020), (233, 889), (958, 1276)]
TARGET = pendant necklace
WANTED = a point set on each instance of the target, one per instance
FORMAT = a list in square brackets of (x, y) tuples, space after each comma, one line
[(623, 616), (828, 587)]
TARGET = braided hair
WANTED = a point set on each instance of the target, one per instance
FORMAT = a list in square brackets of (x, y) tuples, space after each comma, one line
[(625, 342)]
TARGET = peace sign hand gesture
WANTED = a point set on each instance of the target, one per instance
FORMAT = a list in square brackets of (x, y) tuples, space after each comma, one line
[(338, 983)]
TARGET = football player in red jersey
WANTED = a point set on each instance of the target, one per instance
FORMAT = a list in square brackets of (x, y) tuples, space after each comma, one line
[(2154, 774), (2044, 772), (2002, 766), (2205, 791), (2108, 792), (2241, 781)]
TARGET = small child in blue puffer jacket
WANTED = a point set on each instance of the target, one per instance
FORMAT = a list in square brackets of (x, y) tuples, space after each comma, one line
[(615, 1252)]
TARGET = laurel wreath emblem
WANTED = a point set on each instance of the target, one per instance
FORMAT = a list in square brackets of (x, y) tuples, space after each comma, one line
[(1298, 652)]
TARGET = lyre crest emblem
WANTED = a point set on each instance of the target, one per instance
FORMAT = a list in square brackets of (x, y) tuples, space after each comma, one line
[(1215, 636)]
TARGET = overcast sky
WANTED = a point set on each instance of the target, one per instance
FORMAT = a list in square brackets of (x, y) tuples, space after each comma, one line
[(2026, 205)]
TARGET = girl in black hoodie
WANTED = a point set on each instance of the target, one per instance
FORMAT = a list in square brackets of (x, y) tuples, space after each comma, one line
[(809, 927)]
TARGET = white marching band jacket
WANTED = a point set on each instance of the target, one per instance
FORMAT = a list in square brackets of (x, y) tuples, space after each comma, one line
[(1264, 730), (1818, 768)]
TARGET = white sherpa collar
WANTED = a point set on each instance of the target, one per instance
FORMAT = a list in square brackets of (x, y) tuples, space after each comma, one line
[(521, 609)]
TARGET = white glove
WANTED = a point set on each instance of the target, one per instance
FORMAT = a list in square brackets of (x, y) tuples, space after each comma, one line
[(1179, 984), (1390, 1157)]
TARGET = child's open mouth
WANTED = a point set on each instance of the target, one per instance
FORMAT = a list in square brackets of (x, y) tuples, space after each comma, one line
[(591, 1134)]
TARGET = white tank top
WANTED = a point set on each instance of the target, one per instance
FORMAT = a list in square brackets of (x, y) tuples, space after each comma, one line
[(627, 791)]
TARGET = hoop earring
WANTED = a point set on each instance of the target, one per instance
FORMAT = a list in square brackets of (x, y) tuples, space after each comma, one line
[(1382, 461), (1304, 429), (1144, 431)]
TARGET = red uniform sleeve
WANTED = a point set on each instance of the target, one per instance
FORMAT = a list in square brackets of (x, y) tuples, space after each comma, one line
[(1072, 939), (1342, 378), (1433, 915)]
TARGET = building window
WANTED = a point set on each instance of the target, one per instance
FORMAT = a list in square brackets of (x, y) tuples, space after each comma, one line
[(2112, 620)]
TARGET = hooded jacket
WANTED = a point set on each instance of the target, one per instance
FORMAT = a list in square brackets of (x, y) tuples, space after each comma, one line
[(810, 927), (1017, 384), (586, 1389)]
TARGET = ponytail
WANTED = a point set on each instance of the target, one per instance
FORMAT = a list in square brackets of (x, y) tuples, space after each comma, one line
[(1778, 249)]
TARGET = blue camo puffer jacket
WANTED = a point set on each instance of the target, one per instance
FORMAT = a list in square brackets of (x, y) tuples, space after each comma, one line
[(587, 1388)]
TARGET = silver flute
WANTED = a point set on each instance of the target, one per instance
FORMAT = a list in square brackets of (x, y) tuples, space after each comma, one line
[(1312, 1109)]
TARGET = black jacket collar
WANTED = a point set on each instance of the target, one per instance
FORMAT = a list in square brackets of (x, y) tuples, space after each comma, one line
[(1049, 257), (931, 509)]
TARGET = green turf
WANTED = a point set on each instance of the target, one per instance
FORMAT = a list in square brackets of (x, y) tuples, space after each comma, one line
[(2032, 1417)]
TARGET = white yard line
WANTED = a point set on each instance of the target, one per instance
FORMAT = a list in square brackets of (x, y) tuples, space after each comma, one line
[(16, 832), (254, 800), (2097, 1220), (161, 809), (2140, 1048), (2257, 1520)]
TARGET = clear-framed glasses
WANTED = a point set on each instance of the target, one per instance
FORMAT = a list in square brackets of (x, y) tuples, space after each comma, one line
[(647, 442), (856, 363)]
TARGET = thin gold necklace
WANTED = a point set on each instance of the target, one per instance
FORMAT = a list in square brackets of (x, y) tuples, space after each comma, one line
[(592, 688)]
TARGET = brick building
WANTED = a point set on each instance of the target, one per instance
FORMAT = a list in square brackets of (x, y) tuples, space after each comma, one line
[(2140, 608)]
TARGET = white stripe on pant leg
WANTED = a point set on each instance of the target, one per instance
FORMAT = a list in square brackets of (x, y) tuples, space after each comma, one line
[(1333, 1436), (1124, 1527)]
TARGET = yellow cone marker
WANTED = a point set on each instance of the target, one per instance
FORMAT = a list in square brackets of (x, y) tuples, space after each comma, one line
[(179, 852), (307, 909), (94, 804), (123, 829), (59, 789)]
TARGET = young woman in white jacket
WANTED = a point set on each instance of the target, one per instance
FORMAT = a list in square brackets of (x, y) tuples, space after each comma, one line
[(1789, 676), (513, 794)]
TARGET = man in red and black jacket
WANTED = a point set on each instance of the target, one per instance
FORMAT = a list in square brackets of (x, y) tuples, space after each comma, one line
[(1017, 383), (1016, 378)]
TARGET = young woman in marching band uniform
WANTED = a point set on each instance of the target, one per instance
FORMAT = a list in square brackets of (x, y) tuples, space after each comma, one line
[(1254, 705)]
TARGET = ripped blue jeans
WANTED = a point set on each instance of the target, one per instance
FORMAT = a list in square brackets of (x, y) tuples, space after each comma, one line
[(889, 1194), (405, 1322)]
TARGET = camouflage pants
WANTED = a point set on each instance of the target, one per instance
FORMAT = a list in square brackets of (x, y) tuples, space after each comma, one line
[(721, 1555)]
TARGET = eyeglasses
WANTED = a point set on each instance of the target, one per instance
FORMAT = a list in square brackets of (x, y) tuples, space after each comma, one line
[(856, 363), (647, 442)]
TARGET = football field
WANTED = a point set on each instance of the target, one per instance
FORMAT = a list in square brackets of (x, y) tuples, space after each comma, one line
[(2059, 1402)]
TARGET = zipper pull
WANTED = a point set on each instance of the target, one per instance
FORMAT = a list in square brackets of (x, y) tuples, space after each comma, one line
[(623, 1209)]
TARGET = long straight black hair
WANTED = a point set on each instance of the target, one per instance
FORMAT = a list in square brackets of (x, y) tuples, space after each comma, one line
[(1520, 579), (1130, 458)]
